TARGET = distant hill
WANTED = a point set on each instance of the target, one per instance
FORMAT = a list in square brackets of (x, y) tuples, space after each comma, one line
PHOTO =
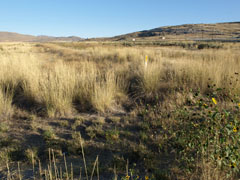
[(221, 31), (228, 30), (15, 37)]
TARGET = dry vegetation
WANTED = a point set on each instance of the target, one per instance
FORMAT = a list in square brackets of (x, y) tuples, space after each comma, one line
[(123, 109)]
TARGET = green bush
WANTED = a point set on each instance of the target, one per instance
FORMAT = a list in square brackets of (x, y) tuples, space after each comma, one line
[(210, 131)]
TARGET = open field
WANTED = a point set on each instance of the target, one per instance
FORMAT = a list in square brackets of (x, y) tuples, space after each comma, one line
[(176, 117)]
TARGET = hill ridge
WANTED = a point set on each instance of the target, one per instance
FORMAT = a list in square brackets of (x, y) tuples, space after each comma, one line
[(224, 30), (13, 37)]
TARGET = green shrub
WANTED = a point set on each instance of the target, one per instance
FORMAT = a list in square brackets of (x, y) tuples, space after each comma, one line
[(210, 132)]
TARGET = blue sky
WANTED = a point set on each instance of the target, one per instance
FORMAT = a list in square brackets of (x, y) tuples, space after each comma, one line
[(104, 18)]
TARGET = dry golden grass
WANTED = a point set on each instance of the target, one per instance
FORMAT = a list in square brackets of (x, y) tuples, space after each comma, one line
[(98, 77), (5, 105)]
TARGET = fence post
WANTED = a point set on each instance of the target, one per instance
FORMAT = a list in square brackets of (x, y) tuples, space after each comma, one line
[(146, 61)]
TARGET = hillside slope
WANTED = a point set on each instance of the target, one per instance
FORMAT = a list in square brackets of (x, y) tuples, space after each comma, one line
[(9, 36), (15, 37), (230, 30)]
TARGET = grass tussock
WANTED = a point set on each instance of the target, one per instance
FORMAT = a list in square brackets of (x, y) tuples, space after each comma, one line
[(151, 78), (56, 90), (6, 108)]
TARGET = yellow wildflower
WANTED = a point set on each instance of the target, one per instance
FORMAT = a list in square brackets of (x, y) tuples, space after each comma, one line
[(239, 105), (195, 125), (146, 178), (127, 177), (233, 165), (235, 129), (214, 100)]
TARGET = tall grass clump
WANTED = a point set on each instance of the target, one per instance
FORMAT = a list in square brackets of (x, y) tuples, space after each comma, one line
[(96, 89), (104, 93), (34, 81), (151, 76), (53, 89), (12, 75), (56, 89), (146, 81), (86, 78), (6, 108)]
